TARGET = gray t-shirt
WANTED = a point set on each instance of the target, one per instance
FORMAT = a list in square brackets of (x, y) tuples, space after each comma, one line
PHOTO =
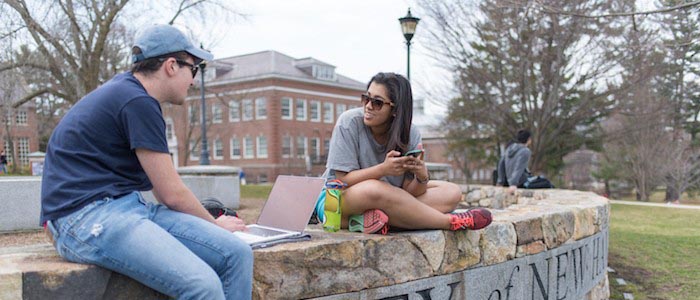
[(353, 147)]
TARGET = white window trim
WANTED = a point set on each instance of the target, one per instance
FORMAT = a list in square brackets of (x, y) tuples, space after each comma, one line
[(338, 111), (195, 157), (25, 119), (291, 108), (231, 148), (318, 147), (214, 107), (218, 157), (304, 110), (319, 111), (258, 148), (257, 109), (291, 146), (243, 110), (245, 148), (306, 147), (231, 104), (331, 113)]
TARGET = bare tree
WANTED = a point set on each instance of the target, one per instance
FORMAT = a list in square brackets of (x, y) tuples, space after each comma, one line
[(84, 43), (682, 35), (519, 67)]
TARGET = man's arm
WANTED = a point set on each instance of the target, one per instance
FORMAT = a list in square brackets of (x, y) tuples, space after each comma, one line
[(169, 189)]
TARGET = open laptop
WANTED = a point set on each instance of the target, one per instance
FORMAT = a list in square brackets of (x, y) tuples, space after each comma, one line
[(286, 211)]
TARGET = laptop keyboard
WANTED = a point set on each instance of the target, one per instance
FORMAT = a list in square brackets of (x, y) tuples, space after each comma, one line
[(263, 231)]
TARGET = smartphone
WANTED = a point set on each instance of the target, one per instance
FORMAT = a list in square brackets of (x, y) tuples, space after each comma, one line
[(414, 153)]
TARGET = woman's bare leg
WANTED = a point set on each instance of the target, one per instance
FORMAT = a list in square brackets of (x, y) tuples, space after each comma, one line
[(403, 209), (442, 195)]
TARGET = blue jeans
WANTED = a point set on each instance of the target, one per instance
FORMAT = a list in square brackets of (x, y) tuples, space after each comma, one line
[(177, 254)]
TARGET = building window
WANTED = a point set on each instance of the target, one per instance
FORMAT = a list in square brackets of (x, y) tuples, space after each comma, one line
[(248, 146), (216, 113), (247, 109), (301, 147), (194, 150), (315, 111), (340, 109), (260, 108), (301, 109), (218, 149), (326, 146), (9, 152), (235, 148), (315, 149), (21, 117), (323, 72), (169, 131), (351, 106), (262, 178), (327, 112), (286, 146), (234, 111), (193, 113), (286, 110), (23, 151), (7, 119), (262, 147)]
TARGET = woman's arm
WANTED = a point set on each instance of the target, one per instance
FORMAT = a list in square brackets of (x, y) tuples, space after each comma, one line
[(393, 165), (419, 184)]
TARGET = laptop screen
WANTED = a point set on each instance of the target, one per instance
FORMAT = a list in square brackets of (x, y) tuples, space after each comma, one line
[(291, 202)]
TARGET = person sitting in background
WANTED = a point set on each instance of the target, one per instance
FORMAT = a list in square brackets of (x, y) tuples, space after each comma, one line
[(512, 167)]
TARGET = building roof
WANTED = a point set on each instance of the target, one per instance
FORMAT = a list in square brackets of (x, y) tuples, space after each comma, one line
[(271, 63)]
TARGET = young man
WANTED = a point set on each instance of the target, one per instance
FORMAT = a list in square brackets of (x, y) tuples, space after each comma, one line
[(512, 168), (110, 146)]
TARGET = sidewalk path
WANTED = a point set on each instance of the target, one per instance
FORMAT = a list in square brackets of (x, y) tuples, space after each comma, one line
[(655, 204)]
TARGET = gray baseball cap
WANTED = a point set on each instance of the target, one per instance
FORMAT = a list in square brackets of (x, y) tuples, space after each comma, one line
[(158, 40)]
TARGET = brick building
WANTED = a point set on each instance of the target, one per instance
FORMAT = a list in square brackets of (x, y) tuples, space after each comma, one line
[(19, 125), (267, 113)]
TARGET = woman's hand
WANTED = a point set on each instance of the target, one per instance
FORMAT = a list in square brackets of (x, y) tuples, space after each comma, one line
[(417, 167), (394, 163)]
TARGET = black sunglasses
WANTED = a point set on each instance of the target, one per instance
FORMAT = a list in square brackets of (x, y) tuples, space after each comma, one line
[(180, 62), (193, 68), (376, 102)]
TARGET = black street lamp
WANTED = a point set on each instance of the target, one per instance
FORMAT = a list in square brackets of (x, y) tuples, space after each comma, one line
[(408, 27), (204, 155)]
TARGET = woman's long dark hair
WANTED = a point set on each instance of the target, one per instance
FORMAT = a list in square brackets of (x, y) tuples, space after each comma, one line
[(399, 89)]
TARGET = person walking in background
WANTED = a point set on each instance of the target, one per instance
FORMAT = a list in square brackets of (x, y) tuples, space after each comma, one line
[(110, 146), (384, 185), (3, 162)]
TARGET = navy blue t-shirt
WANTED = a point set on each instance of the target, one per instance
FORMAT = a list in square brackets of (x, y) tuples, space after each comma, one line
[(91, 154)]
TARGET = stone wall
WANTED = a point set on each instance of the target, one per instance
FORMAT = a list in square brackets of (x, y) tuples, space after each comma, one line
[(547, 244), (20, 197)]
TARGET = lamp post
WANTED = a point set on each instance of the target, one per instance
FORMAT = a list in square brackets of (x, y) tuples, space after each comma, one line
[(408, 27), (204, 155)]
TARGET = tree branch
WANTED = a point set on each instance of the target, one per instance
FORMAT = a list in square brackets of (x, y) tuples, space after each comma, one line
[(550, 10)]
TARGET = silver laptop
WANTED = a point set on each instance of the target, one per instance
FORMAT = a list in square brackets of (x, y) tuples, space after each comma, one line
[(286, 211)]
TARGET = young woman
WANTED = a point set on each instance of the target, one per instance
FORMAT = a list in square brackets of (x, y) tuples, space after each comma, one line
[(384, 186)]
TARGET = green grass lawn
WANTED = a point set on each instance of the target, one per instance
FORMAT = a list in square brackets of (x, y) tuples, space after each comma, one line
[(657, 250), (255, 191), (660, 196)]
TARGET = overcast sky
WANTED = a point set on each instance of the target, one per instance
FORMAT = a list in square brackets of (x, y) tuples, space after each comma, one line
[(359, 37)]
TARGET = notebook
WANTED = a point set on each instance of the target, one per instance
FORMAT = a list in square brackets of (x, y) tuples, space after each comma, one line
[(286, 211)]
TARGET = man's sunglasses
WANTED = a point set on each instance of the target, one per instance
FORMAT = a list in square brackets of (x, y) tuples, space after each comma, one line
[(193, 68), (180, 62), (376, 102)]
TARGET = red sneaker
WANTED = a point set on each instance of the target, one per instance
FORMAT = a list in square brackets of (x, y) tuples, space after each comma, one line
[(474, 219)]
